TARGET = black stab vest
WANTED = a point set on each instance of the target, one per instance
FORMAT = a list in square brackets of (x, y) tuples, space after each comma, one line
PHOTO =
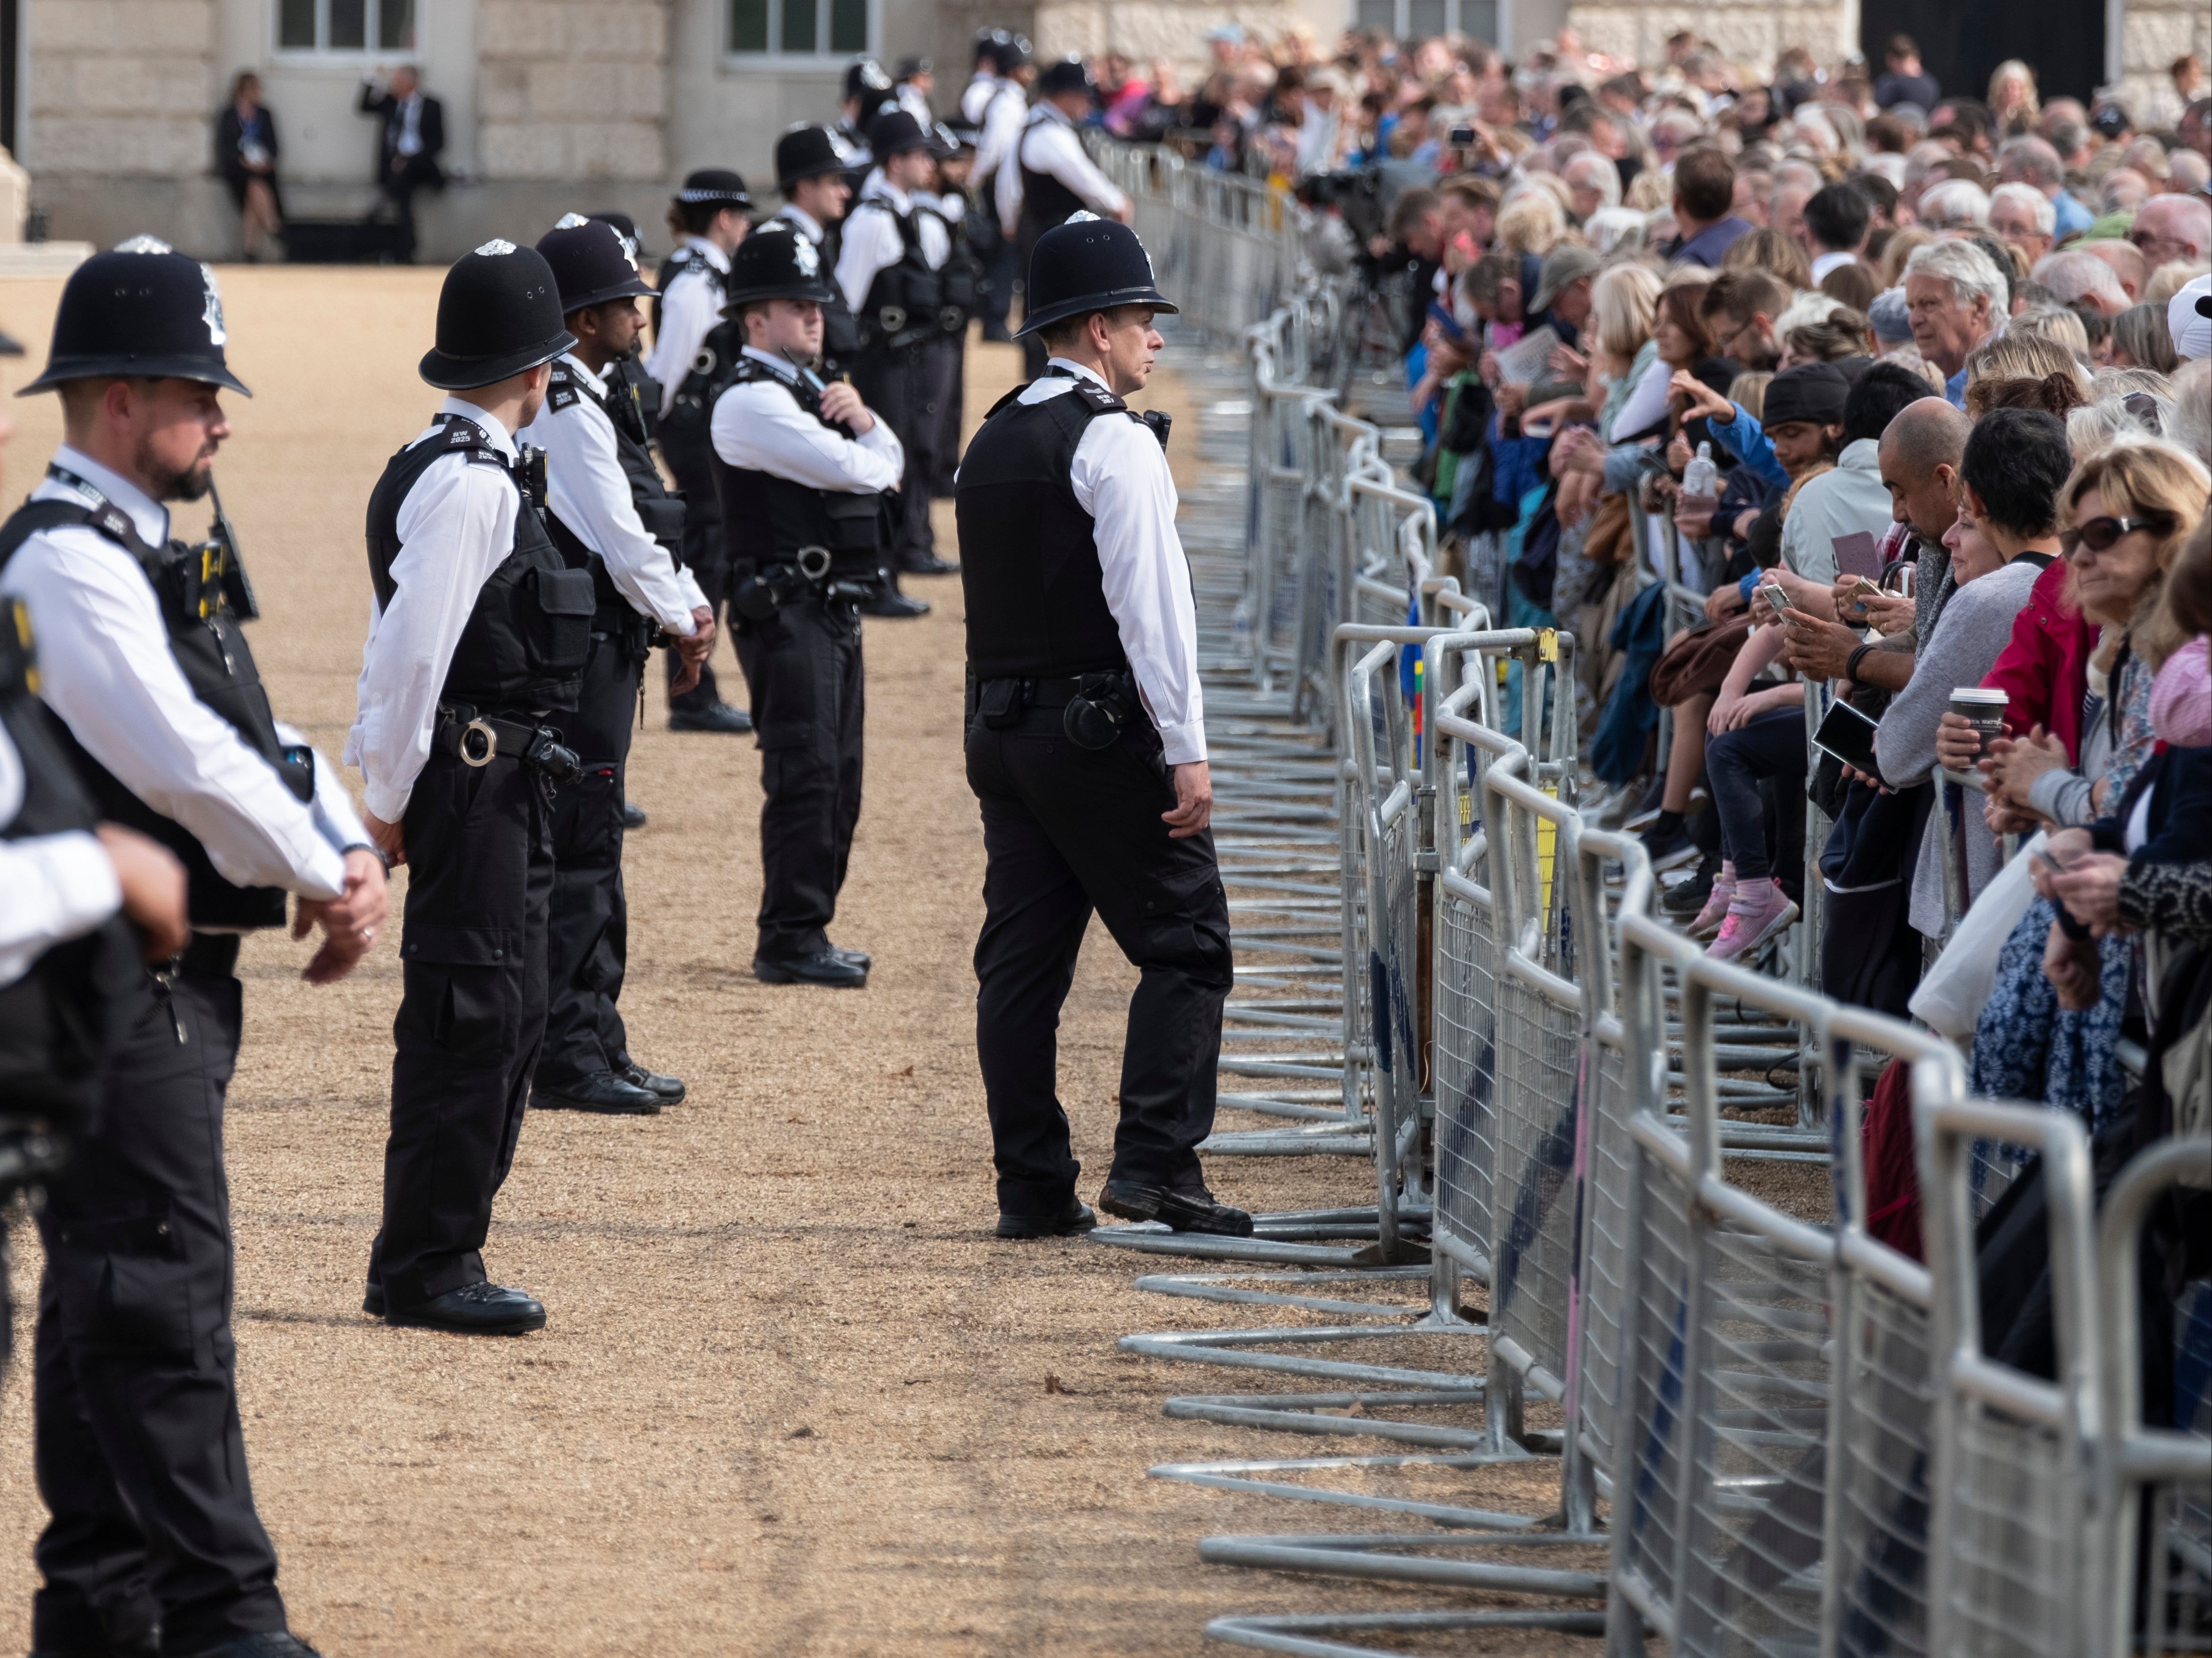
[(961, 273), (196, 595), (661, 513), (841, 330), (523, 646), (1029, 558), (766, 520), (685, 427), (52, 1019), (1046, 201), (901, 310)]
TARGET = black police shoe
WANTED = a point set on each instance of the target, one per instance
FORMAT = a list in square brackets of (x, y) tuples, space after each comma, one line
[(930, 564), (147, 1645), (720, 717), (606, 1093), (633, 816), (276, 1644), (823, 967), (897, 606), (1078, 1217), (475, 1309), (670, 1089), (1179, 1211), (859, 958)]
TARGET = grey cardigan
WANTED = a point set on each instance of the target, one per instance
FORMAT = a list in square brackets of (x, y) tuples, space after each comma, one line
[(1974, 627)]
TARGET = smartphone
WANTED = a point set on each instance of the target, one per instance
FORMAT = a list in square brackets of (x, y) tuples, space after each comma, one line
[(1862, 590), (1777, 600), (1858, 554), (1848, 735), (1461, 137)]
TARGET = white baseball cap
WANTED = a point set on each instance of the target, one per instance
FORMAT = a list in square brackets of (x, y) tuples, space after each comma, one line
[(2189, 320)]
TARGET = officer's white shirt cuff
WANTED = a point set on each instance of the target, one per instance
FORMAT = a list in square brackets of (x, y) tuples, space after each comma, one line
[(1184, 745), (60, 887), (386, 805)]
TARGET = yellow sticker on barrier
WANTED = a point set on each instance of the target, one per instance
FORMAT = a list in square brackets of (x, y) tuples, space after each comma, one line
[(1548, 644)]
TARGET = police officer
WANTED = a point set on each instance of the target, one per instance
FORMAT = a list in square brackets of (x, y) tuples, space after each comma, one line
[(709, 218), (1086, 746), (998, 116), (804, 468), (917, 79), (962, 276), (608, 514), (158, 707), (868, 92), (1051, 177), (479, 633), (889, 267), (810, 176)]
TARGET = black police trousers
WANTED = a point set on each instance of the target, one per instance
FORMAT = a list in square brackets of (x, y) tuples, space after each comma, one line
[(689, 453), (803, 669), (587, 934), (951, 416), (472, 1015), (1068, 831), (908, 389), (138, 1450)]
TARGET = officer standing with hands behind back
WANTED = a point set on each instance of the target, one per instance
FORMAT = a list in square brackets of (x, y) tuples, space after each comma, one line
[(610, 514), (803, 469), (479, 633), (1086, 746), (158, 708)]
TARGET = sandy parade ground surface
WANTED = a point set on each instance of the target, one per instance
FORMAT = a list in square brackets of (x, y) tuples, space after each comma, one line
[(794, 1399)]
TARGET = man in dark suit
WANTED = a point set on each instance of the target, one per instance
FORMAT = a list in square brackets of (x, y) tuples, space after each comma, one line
[(407, 157)]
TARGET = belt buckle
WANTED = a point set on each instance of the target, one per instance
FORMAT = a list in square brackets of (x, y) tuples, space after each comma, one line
[(477, 728)]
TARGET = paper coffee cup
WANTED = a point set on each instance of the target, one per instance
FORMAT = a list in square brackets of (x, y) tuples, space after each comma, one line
[(1984, 710)]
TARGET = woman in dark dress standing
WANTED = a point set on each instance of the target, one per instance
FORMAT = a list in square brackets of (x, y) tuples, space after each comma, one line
[(245, 153)]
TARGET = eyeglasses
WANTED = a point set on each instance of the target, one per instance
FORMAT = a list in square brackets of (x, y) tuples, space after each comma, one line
[(2100, 535)]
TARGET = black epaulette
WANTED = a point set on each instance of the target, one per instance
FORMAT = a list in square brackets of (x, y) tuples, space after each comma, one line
[(1100, 400), (563, 393)]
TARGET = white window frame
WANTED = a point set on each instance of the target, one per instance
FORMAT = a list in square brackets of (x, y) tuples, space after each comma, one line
[(366, 52), (777, 57), (1402, 17)]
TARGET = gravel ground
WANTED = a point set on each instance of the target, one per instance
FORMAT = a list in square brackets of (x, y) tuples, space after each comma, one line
[(794, 1398)]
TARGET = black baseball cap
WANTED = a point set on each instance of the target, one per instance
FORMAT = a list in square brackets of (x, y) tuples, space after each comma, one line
[(1814, 391)]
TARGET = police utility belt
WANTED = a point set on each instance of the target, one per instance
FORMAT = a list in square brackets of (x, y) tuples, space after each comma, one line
[(478, 739), (812, 572), (1095, 708)]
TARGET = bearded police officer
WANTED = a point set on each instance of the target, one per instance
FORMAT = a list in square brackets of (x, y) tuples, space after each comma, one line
[(1086, 746), (478, 632), (709, 215), (608, 514), (1051, 177), (159, 709), (998, 115), (888, 271), (804, 469)]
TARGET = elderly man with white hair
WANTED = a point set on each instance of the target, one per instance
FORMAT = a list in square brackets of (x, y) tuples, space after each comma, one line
[(2032, 161), (1958, 204), (2023, 216), (1594, 180), (2075, 274), (2168, 228), (1956, 299)]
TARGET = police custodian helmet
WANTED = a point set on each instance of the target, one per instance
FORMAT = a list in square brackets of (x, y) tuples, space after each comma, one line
[(499, 314), (593, 262), (1088, 264), (775, 263), (139, 310), (805, 152), (894, 132)]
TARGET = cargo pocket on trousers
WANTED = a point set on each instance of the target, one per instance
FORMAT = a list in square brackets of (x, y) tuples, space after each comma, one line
[(475, 971), (783, 712), (126, 1281)]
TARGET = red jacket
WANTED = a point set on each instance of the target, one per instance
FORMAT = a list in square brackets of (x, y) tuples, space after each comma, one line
[(2045, 667)]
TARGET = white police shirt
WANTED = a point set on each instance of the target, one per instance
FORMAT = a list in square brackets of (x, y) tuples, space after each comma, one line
[(588, 491), (691, 306), (872, 239), (105, 669), (1003, 115), (910, 99), (60, 887), (975, 96), (1050, 145), (1120, 477), (759, 427), (803, 221), (456, 526)]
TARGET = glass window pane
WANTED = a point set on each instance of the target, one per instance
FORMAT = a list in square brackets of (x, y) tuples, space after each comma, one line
[(295, 24), (395, 25), (848, 25), (1379, 15), (748, 25), (1479, 18), (1423, 19), (349, 25), (799, 22)]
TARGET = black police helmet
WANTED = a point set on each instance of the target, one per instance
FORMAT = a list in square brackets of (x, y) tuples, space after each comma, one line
[(592, 262), (805, 152), (911, 67), (140, 310), (865, 78), (1088, 264), (1013, 53), (624, 224), (776, 262), (987, 41), (715, 184), (894, 132), (499, 314), (1068, 75)]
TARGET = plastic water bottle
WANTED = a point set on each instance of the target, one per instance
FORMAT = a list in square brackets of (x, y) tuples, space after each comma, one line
[(1701, 477)]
